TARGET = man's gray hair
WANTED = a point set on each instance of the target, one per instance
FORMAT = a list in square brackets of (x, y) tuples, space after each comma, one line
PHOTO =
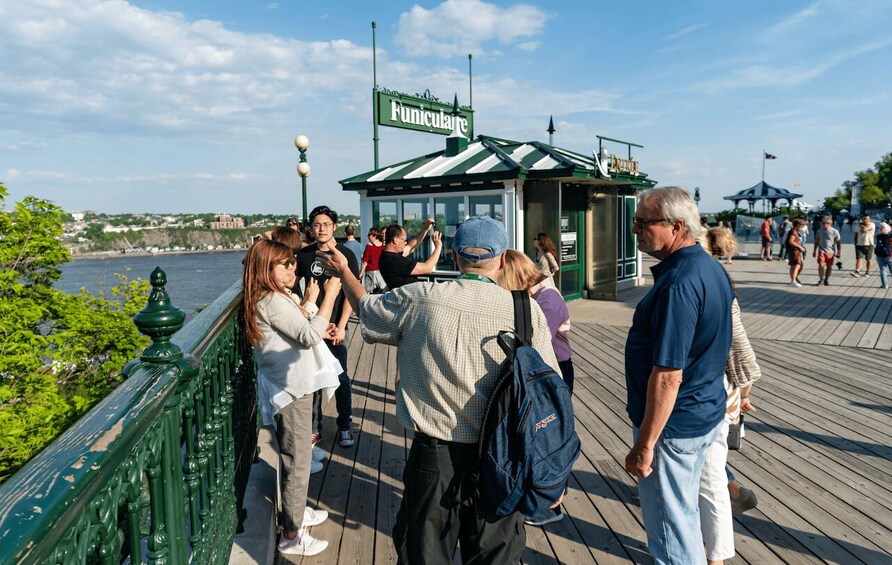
[(674, 203)]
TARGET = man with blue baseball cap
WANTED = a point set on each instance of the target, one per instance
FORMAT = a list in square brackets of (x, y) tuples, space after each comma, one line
[(449, 360)]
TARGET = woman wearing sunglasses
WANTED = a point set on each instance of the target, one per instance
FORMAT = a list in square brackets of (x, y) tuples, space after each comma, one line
[(292, 364)]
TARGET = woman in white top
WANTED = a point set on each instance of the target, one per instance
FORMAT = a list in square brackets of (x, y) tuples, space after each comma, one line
[(292, 363), (545, 257)]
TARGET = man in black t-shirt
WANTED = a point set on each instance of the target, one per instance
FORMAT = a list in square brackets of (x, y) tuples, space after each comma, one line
[(399, 270), (323, 222)]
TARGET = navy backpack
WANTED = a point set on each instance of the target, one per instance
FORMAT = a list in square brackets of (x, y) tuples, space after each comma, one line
[(528, 441)]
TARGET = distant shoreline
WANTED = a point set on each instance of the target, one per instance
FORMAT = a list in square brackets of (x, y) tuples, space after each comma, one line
[(119, 255)]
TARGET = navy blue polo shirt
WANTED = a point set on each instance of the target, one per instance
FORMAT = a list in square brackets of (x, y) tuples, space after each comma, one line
[(684, 322)]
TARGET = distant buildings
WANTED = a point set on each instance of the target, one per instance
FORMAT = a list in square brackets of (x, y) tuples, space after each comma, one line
[(225, 221)]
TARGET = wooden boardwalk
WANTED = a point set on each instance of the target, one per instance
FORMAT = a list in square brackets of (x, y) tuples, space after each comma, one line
[(817, 452)]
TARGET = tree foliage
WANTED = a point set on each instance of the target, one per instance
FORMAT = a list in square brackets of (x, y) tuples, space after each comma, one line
[(876, 188), (59, 353)]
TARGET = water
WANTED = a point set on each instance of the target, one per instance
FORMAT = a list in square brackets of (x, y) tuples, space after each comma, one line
[(193, 280)]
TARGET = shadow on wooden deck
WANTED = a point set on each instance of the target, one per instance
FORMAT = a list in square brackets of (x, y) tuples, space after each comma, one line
[(816, 452)]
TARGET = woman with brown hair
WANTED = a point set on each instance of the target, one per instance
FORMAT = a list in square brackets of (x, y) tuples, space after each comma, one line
[(370, 272), (795, 249), (545, 257), (292, 364)]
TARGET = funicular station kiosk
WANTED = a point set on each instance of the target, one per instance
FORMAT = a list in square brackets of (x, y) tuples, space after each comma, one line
[(584, 203)]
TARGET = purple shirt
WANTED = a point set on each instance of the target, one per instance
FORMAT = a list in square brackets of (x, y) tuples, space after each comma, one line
[(557, 315)]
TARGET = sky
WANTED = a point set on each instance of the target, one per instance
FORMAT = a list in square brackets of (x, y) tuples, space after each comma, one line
[(186, 106)]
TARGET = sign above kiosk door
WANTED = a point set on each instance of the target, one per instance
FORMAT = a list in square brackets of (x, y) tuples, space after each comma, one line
[(421, 113)]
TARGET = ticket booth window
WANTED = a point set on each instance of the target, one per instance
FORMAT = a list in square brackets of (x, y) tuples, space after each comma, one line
[(384, 213), (490, 205)]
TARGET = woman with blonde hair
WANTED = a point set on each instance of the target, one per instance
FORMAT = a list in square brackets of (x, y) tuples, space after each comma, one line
[(292, 364), (545, 257), (520, 273), (721, 242)]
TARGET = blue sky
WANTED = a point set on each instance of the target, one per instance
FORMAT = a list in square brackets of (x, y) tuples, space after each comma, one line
[(193, 105)]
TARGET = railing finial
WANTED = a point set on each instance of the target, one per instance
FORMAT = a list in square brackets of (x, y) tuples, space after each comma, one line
[(160, 320)]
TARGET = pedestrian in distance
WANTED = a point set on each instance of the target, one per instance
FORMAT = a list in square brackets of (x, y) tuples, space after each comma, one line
[(865, 240), (448, 356), (828, 246), (765, 235), (795, 251), (884, 260), (675, 364), (369, 272)]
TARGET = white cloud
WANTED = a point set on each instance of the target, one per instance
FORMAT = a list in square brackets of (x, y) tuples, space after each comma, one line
[(685, 31), (112, 67), (459, 27), (272, 5)]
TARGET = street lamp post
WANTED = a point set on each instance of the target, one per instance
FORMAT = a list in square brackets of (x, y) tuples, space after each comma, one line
[(697, 195), (302, 142)]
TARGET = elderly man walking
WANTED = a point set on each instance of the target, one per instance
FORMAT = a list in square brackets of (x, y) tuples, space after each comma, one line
[(448, 357), (675, 362)]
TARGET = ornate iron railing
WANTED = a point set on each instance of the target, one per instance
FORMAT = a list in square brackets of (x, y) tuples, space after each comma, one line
[(157, 470)]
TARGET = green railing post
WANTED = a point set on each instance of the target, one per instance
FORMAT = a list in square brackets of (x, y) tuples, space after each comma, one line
[(160, 320)]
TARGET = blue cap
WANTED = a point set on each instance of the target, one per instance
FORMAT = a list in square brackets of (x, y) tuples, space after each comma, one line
[(481, 232)]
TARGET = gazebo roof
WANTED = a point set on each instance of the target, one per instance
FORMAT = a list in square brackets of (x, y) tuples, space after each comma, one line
[(764, 191)]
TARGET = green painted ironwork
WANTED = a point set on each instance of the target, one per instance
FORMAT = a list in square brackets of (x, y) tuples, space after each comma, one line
[(156, 472)]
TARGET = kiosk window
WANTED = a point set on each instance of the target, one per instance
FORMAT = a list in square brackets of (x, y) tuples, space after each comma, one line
[(383, 213), (449, 212), (487, 206)]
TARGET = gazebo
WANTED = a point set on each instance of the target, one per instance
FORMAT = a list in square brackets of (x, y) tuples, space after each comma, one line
[(765, 192)]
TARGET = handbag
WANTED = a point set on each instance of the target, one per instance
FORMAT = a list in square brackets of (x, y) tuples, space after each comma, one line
[(735, 434)]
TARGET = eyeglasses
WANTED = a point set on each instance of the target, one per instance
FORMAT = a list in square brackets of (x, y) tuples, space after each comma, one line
[(640, 223), (289, 224), (287, 263), (326, 225)]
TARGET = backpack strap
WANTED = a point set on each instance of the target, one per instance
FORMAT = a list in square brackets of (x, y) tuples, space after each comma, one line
[(523, 318)]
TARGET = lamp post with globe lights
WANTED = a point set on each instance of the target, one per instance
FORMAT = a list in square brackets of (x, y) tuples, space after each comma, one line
[(302, 142)]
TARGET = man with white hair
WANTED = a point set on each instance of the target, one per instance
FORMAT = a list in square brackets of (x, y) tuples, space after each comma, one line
[(675, 363)]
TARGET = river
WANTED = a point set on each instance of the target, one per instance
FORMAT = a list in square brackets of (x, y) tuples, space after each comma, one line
[(193, 279)]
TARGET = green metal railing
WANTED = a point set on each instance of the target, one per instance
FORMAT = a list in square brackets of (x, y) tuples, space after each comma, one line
[(156, 472)]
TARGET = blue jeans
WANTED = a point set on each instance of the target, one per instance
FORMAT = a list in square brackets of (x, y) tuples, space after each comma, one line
[(669, 499), (885, 264)]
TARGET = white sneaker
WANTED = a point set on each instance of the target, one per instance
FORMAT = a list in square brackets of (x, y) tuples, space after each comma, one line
[(796, 284), (318, 454), (315, 467), (302, 544), (314, 517)]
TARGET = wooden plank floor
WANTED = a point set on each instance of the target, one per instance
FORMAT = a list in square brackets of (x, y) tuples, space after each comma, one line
[(817, 452)]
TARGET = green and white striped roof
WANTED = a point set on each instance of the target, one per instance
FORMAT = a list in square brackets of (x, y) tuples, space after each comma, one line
[(490, 159)]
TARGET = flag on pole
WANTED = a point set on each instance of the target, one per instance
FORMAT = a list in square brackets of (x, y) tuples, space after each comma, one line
[(769, 155)]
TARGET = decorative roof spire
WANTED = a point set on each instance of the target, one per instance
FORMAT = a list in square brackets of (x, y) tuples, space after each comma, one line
[(551, 130)]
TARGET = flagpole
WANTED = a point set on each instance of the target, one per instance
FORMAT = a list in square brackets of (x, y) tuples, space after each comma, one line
[(763, 165), (375, 96)]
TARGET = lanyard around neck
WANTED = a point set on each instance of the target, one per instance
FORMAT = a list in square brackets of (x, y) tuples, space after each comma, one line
[(476, 277)]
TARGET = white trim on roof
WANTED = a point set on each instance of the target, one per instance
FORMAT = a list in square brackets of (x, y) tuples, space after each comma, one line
[(484, 165), (442, 163), (522, 152), (387, 172), (547, 162)]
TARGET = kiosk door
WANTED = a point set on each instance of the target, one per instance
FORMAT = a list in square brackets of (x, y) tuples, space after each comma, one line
[(572, 252)]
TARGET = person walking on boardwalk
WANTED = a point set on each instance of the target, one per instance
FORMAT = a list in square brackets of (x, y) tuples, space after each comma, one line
[(323, 221), (292, 365), (864, 242), (795, 250), (783, 231), (675, 364), (449, 360), (765, 234), (828, 246), (884, 261)]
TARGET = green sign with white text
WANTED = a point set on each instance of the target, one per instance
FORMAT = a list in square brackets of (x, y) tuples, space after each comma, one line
[(426, 113)]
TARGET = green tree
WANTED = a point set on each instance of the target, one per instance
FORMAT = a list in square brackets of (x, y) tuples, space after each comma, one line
[(876, 188), (59, 353)]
